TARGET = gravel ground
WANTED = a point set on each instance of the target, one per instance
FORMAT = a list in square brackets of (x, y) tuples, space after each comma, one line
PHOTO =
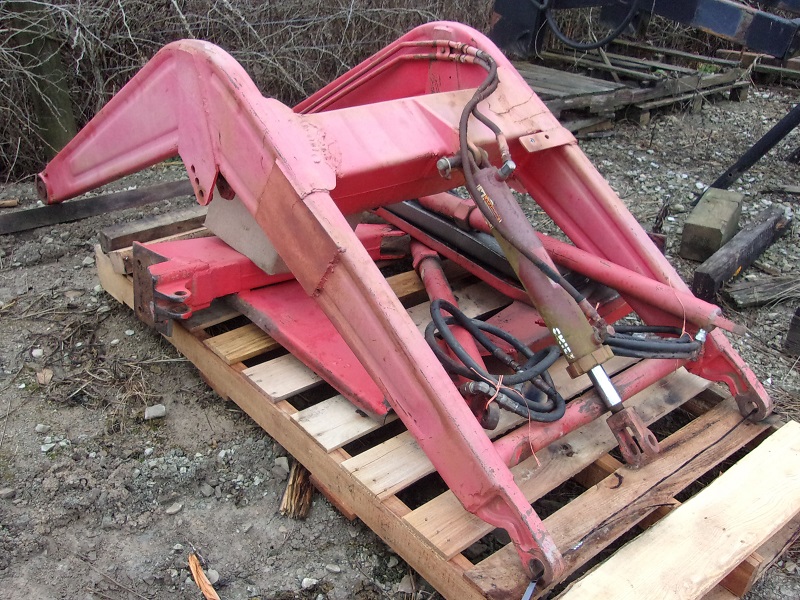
[(97, 502)]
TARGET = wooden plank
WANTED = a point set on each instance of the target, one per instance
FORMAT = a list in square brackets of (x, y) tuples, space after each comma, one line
[(335, 422), (593, 63), (282, 377), (748, 58), (73, 210), (728, 520), (720, 62), (589, 523), (740, 252), (151, 228), (451, 529), (397, 463), (739, 581), (745, 294), (241, 344), (218, 312)]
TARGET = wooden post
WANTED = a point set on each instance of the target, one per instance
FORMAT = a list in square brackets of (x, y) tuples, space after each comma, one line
[(34, 40), (740, 252)]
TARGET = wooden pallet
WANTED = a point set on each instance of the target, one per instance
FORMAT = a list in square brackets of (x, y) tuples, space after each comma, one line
[(717, 543), (642, 84)]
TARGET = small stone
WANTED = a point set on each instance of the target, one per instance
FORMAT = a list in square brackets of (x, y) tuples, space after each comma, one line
[(7, 493), (206, 490), (213, 576), (129, 332), (393, 562), (177, 547), (88, 261), (333, 568), (47, 447), (157, 411), (174, 509), (148, 451), (790, 566), (281, 468), (308, 583), (406, 585), (677, 207), (41, 428), (37, 353), (114, 342)]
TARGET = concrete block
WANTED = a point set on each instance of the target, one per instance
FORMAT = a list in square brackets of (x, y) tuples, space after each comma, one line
[(711, 224)]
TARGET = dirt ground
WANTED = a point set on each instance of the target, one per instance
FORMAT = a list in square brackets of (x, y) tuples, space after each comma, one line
[(96, 502)]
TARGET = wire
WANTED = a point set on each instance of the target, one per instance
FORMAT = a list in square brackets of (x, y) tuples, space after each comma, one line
[(554, 27), (528, 392)]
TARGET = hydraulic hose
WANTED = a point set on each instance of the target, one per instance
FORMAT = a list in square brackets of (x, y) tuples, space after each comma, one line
[(518, 392), (623, 342)]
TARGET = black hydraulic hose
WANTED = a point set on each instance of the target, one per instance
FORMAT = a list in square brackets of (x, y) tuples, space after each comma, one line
[(535, 365), (554, 27), (624, 344), (518, 392)]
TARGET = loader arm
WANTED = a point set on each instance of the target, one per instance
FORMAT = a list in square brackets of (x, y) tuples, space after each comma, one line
[(371, 138)]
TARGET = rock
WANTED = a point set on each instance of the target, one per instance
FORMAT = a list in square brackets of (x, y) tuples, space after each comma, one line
[(206, 490), (47, 447), (88, 261), (281, 468), (790, 566), (7, 493), (129, 332), (406, 585), (213, 576), (41, 428), (157, 411), (308, 583), (37, 353), (333, 568), (114, 342), (174, 509), (393, 562)]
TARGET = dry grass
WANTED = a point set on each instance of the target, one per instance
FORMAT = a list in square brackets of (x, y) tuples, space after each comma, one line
[(290, 48)]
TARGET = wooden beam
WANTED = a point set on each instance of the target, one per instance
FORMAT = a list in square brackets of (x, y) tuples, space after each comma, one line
[(74, 210), (152, 228), (740, 252)]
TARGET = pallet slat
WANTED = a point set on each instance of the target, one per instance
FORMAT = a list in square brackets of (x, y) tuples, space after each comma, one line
[(727, 520), (335, 422), (241, 344), (452, 529), (282, 377)]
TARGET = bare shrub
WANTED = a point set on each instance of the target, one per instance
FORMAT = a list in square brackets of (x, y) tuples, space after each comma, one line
[(290, 48)]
